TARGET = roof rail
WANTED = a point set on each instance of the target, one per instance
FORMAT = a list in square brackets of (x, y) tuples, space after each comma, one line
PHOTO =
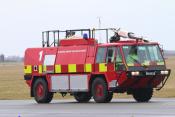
[(52, 37)]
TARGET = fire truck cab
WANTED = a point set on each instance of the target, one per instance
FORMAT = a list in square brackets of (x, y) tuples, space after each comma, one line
[(75, 62)]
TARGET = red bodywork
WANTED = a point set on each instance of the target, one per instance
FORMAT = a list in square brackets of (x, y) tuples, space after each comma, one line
[(77, 57)]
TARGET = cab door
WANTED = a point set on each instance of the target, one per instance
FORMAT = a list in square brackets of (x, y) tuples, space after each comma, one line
[(105, 59), (100, 62), (120, 67), (110, 59)]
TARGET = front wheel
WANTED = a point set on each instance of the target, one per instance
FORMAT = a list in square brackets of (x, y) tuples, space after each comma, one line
[(143, 94), (82, 97), (41, 93), (100, 91)]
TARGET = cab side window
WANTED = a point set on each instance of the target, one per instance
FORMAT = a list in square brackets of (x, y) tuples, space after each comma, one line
[(119, 56), (110, 55), (101, 54), (119, 62)]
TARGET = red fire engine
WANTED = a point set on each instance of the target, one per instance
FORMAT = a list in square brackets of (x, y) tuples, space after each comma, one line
[(75, 62)]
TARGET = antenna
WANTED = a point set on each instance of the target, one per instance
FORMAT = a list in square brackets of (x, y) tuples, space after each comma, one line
[(99, 22), (99, 27)]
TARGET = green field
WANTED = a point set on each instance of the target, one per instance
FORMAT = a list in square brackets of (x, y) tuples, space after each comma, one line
[(13, 86)]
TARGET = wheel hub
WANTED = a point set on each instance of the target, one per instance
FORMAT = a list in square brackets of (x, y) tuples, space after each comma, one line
[(40, 90), (99, 90)]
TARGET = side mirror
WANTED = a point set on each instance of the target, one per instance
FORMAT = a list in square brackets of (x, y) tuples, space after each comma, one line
[(161, 49)]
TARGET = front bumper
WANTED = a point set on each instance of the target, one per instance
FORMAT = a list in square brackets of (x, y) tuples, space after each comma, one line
[(148, 73), (151, 74), (144, 79)]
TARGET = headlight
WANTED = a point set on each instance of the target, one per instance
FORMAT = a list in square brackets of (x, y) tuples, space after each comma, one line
[(136, 73), (164, 72)]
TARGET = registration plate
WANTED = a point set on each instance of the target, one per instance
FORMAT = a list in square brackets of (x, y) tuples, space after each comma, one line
[(150, 73)]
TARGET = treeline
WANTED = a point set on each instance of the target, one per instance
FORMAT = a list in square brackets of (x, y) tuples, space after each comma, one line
[(4, 58)]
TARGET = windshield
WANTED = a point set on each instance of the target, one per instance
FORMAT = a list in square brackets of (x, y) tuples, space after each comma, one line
[(143, 55)]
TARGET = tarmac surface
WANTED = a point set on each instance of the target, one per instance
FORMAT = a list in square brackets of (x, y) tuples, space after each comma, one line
[(157, 107)]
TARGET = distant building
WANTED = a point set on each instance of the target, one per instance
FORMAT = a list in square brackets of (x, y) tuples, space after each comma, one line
[(2, 58)]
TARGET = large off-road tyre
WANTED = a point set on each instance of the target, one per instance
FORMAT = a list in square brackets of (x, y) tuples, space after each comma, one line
[(143, 94), (100, 91), (110, 96), (82, 97), (41, 92)]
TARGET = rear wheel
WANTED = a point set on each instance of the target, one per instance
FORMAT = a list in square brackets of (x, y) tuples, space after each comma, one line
[(82, 97), (41, 93), (143, 94), (100, 91)]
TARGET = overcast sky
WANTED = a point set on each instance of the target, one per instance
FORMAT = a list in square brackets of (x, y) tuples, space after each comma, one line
[(22, 21)]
